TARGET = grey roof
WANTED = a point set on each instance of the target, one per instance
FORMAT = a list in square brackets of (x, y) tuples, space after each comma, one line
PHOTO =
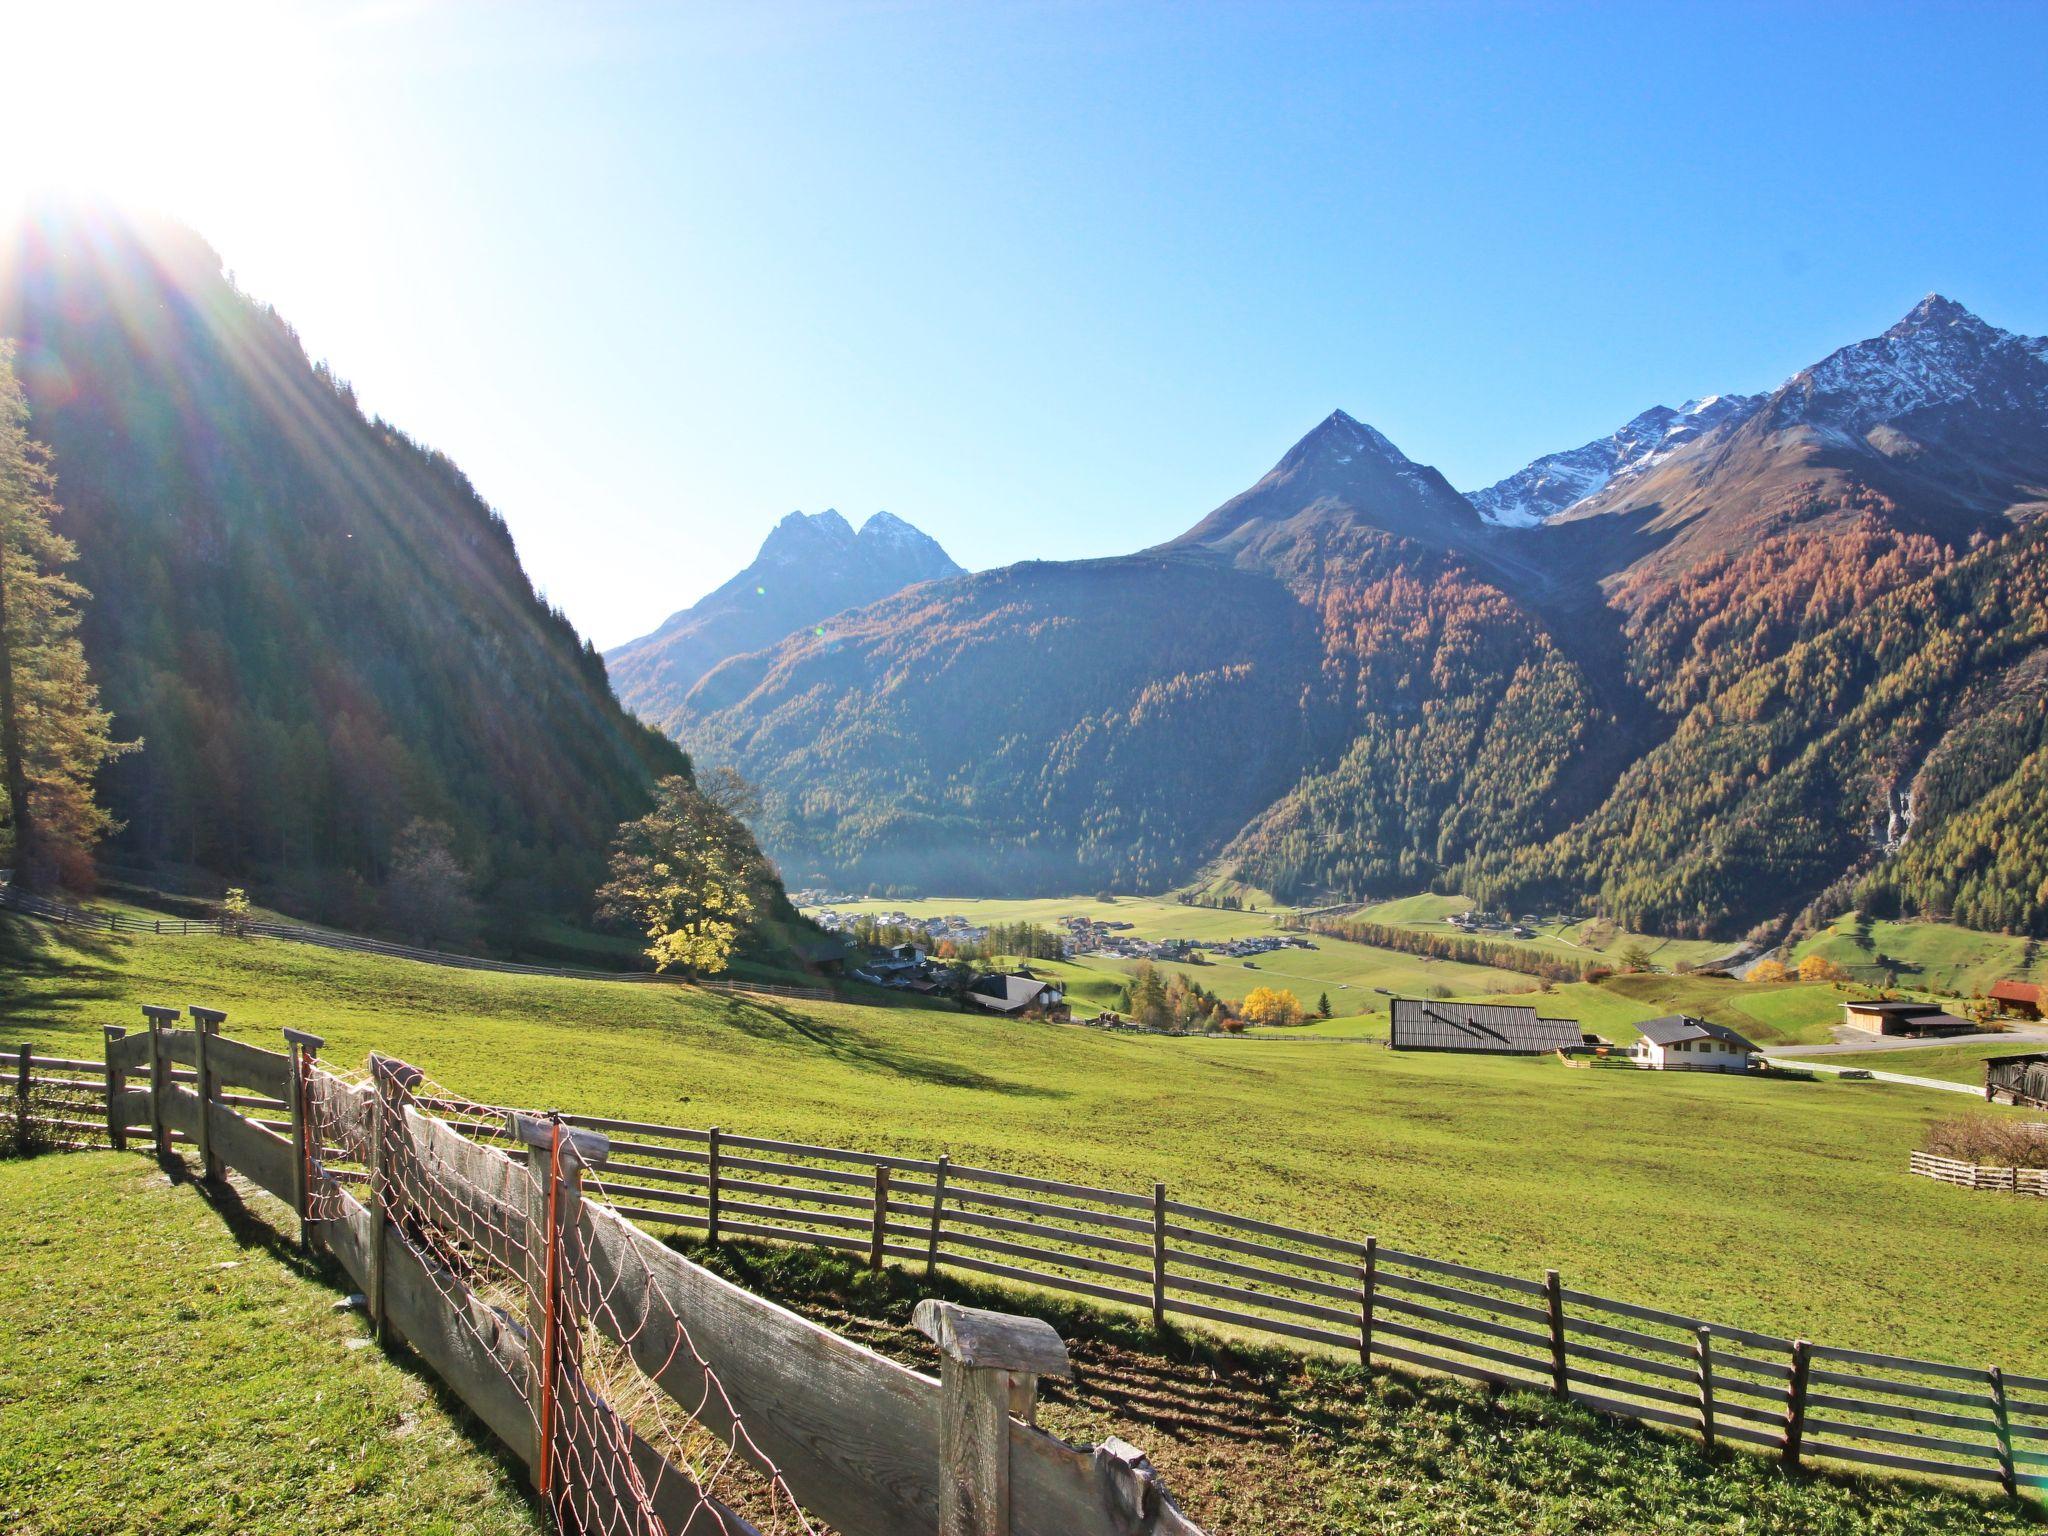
[(1501, 1028), (1674, 1027), (1005, 994), (1904, 1006)]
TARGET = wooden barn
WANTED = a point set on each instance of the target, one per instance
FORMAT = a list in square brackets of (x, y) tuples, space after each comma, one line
[(2017, 1080), (1904, 1018), (2019, 998), (1494, 1029)]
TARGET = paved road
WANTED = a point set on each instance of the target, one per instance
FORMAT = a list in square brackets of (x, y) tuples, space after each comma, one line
[(1851, 1042), (1937, 1083)]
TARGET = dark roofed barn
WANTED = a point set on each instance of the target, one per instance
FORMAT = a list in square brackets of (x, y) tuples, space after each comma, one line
[(1496, 1029)]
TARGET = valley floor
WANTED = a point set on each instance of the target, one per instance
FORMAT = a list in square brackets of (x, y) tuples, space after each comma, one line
[(1781, 1205)]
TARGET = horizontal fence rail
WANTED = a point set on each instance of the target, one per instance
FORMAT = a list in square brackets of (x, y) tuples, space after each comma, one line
[(1171, 1259)]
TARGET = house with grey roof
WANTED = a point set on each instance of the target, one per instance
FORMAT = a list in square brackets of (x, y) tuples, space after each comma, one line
[(1016, 996), (1678, 1042), (1495, 1029)]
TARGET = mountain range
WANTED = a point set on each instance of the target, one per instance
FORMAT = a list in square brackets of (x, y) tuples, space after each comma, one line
[(809, 568), (1701, 671)]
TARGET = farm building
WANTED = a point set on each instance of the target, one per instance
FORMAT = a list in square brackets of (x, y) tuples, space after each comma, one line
[(1499, 1029), (2018, 997), (2017, 1080), (1017, 996), (1680, 1043), (1904, 1018)]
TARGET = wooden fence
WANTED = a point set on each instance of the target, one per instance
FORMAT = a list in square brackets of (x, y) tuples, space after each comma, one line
[(422, 1216), (1172, 1259), (1950, 1170)]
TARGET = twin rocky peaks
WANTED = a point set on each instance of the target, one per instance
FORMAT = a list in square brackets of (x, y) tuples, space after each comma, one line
[(1598, 679), (811, 566)]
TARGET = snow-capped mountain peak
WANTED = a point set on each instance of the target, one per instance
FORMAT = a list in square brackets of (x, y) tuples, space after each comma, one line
[(1938, 355), (1558, 481)]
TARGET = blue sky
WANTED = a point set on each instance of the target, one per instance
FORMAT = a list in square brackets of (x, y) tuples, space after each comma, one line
[(1052, 280)]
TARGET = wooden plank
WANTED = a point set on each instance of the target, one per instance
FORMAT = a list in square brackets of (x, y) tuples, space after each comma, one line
[(1216, 1266), (1458, 1295), (1896, 1363), (65, 1063), (969, 1199), (838, 1154), (1705, 1386), (1904, 1463), (1186, 1237), (1903, 1412), (633, 1127), (129, 1053), (236, 1061), (982, 1243), (1559, 1366), (1912, 1389), (1818, 1424), (1504, 1331), (854, 1434), (1267, 1299), (1627, 1388), (1349, 1249), (1367, 1287), (1460, 1272), (260, 1156), (1767, 1342), (1795, 1401), (931, 1252), (1273, 1325), (1159, 1259), (952, 1256)]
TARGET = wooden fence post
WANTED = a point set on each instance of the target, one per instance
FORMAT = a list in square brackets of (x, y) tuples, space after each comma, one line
[(1560, 1367), (1368, 1284), (303, 1049), (160, 1019), (931, 1247), (556, 1158), (117, 1085), (989, 1366), (206, 1022), (2002, 1422), (21, 1103), (876, 1234), (1703, 1356), (1159, 1256), (711, 1214), (390, 1079), (1795, 1401)]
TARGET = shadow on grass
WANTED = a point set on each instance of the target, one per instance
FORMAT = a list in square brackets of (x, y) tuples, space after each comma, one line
[(36, 981), (255, 1233), (751, 1015)]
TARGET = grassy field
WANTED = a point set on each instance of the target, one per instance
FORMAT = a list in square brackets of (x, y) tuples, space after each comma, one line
[(1781, 1205), (1951, 1063), (1931, 957), (165, 1371), (1582, 938)]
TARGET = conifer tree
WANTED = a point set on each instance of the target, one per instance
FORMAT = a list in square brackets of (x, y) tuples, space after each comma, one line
[(53, 734)]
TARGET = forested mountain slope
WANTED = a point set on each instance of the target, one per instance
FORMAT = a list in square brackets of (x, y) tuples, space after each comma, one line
[(1702, 670), (809, 568), (316, 626)]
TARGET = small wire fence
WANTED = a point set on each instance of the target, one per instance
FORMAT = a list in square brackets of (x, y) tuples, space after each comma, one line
[(632, 1429)]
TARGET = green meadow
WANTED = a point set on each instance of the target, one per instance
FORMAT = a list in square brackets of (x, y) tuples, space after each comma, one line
[(163, 1370), (1927, 957), (1595, 939), (1779, 1204)]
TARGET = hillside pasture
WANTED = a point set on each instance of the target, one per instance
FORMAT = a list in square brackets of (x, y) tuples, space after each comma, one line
[(1938, 958), (1596, 940)]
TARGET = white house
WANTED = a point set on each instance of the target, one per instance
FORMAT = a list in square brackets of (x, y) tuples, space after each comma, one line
[(1678, 1043)]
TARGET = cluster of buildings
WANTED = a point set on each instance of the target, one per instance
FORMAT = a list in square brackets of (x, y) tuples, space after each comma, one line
[(1475, 921), (1263, 944), (935, 930), (1675, 1043)]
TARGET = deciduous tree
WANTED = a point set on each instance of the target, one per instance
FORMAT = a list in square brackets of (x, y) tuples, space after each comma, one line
[(688, 876)]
